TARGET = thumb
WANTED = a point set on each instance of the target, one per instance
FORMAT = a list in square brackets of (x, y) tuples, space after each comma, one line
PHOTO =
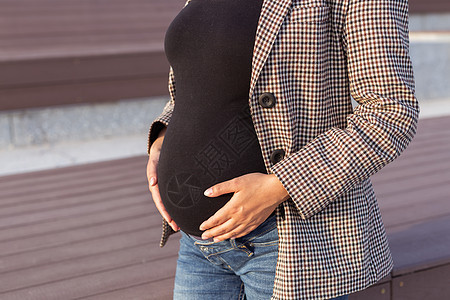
[(151, 173)]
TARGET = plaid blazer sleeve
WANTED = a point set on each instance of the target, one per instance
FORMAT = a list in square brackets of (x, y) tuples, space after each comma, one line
[(375, 39)]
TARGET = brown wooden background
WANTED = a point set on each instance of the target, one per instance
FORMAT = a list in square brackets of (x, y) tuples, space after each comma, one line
[(76, 51), (73, 51), (429, 6), (92, 231)]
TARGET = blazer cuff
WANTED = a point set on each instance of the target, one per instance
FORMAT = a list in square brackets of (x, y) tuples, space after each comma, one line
[(283, 171)]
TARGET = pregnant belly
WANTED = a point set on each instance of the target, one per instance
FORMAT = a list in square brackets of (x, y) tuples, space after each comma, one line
[(194, 159), (182, 195), (182, 181), (181, 190)]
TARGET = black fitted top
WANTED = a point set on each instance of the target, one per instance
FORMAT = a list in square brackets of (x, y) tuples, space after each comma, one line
[(211, 137)]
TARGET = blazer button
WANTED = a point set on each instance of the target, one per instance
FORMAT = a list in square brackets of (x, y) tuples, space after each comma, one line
[(267, 100), (276, 156)]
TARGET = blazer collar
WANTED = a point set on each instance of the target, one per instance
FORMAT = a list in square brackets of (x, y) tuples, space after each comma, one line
[(272, 15)]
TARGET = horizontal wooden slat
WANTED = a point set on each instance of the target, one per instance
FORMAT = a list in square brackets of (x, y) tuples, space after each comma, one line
[(432, 284), (44, 178), (432, 206), (378, 292), (75, 185), (430, 6), (414, 166), (95, 282), (89, 92), (421, 246), (58, 193), (415, 184), (160, 289), (83, 249), (29, 230), (55, 239), (25, 277), (72, 171), (82, 69), (96, 207)]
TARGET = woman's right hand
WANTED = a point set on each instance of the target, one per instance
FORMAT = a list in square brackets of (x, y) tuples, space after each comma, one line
[(153, 179)]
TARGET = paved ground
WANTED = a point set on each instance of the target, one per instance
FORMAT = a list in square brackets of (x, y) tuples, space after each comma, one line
[(34, 158), (42, 157)]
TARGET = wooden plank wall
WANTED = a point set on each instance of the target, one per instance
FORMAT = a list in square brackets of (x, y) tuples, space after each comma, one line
[(76, 51), (92, 231), (429, 6)]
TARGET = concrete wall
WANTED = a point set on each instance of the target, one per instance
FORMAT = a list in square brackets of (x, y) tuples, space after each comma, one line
[(77, 122), (429, 22), (430, 54)]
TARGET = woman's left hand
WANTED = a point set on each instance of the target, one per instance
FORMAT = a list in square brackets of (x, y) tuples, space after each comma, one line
[(256, 195)]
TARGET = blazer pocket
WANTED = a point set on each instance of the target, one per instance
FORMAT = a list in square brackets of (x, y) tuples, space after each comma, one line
[(314, 14)]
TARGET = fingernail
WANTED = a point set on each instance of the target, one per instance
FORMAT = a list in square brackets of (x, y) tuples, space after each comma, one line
[(201, 227), (216, 240), (208, 192), (152, 181)]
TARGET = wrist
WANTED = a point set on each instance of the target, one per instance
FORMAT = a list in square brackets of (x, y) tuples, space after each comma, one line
[(162, 132), (278, 186)]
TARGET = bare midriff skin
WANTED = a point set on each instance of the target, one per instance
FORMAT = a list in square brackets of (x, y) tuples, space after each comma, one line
[(255, 197)]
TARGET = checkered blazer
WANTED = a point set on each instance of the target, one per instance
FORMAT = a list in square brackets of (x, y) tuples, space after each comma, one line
[(313, 56)]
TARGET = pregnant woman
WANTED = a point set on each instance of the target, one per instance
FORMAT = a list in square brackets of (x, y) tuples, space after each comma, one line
[(262, 163)]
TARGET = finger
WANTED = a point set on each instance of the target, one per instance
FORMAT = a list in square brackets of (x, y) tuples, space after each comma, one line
[(160, 206), (219, 230), (235, 233), (221, 216), (229, 186)]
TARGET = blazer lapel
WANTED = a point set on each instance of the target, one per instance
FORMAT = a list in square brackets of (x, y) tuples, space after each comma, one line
[(272, 15)]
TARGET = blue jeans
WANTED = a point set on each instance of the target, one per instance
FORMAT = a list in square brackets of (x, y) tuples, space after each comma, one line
[(243, 268)]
